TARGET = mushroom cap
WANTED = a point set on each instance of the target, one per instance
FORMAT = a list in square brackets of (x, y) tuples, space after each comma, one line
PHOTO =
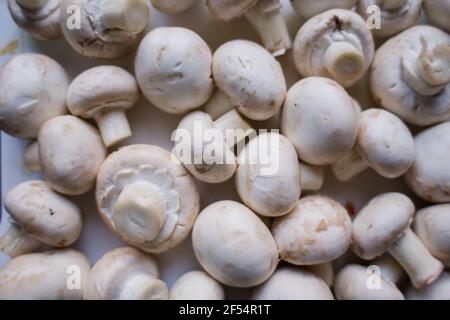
[(48, 216), (439, 289), (380, 223), (32, 90), (429, 176), (173, 69), (290, 283), (320, 119), (438, 12), (309, 8), (268, 176), (316, 231), (226, 10), (196, 285), (71, 152), (233, 245), (44, 276), (251, 78), (352, 284), (173, 6), (102, 88), (432, 226), (387, 79), (385, 142), (335, 25), (169, 179)]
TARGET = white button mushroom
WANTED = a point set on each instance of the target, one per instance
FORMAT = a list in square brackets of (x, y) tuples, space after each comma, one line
[(336, 44), (309, 8), (32, 90), (264, 15), (38, 17), (320, 119), (411, 75), (233, 245), (384, 143), (39, 216), (390, 269), (108, 29), (312, 177), (45, 276), (438, 290), (146, 198), (173, 69), (196, 285), (438, 12), (173, 6), (318, 230), (104, 93), (290, 283), (383, 225), (125, 274)]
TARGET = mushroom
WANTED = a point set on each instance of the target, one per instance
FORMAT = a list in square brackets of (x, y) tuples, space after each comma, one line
[(150, 201), (70, 154), (38, 17), (395, 15), (31, 157), (32, 90), (312, 177), (438, 290), (353, 282), (320, 119), (411, 75), (125, 274), (383, 143), (291, 283), (104, 29), (432, 226), (52, 275), (336, 44), (39, 216), (325, 271), (383, 225), (173, 69), (309, 8), (390, 269), (104, 93), (196, 285), (318, 230), (173, 6), (233, 245), (429, 176), (438, 12), (264, 15)]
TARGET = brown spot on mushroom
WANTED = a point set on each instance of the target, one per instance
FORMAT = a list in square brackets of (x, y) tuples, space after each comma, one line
[(338, 23), (350, 208)]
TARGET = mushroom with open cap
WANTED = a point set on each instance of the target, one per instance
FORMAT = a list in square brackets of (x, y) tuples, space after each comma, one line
[(411, 75), (39, 216), (438, 290), (125, 274), (233, 245), (309, 8), (384, 143), (173, 6), (173, 69), (336, 44), (104, 29), (384, 225), (438, 12), (196, 285), (104, 93), (318, 230), (145, 197), (52, 275)]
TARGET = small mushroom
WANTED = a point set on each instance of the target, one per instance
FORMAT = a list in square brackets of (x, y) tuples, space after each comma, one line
[(264, 15), (309, 8), (150, 201), (196, 285), (291, 283), (104, 93), (32, 90), (438, 290), (52, 275), (39, 216), (320, 119), (38, 17), (411, 75), (318, 230), (233, 245), (104, 29), (438, 12), (384, 143), (125, 274), (383, 225), (173, 6), (336, 44), (325, 271), (173, 69)]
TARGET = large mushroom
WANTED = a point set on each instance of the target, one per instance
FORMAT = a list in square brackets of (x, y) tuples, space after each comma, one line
[(173, 6), (196, 285), (438, 12)]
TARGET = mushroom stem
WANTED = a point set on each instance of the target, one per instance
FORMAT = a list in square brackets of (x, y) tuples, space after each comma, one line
[(32, 4), (127, 15), (325, 271), (233, 127), (390, 270), (31, 157), (218, 105), (114, 127), (266, 18), (17, 241), (392, 4), (343, 61), (349, 166), (418, 263), (144, 287), (311, 177)]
